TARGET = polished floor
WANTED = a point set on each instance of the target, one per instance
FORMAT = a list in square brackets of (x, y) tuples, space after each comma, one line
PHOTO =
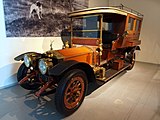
[(132, 95)]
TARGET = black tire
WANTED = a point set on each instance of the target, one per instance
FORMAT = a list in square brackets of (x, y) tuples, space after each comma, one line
[(71, 91), (22, 72), (131, 58)]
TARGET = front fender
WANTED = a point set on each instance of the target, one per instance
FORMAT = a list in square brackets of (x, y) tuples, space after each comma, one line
[(20, 57), (65, 66), (61, 67)]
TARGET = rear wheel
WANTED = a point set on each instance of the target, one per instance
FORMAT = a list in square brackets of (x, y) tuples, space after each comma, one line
[(131, 59), (71, 91), (30, 84)]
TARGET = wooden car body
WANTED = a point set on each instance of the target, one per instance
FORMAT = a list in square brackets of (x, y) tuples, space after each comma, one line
[(101, 44)]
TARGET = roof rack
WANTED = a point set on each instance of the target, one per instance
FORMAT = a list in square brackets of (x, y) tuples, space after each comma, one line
[(129, 10)]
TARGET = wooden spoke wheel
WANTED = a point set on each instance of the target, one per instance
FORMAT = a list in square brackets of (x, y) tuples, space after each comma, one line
[(71, 91), (74, 92), (30, 84)]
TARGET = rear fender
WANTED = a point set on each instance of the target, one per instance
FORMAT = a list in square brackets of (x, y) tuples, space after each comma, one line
[(138, 48), (63, 67), (132, 49), (20, 57)]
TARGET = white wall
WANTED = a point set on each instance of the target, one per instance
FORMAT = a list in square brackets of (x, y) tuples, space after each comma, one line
[(11, 47), (150, 47), (98, 3)]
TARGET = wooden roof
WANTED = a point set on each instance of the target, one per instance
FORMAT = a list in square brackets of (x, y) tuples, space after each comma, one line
[(103, 10)]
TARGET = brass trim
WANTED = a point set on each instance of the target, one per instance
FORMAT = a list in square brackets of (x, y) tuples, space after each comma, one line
[(101, 27), (66, 44), (100, 43), (71, 32), (100, 72), (54, 53), (58, 55)]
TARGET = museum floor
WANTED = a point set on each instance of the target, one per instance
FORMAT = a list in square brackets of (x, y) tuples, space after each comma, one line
[(132, 95)]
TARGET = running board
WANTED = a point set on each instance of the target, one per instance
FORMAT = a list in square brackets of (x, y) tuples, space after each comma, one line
[(112, 73)]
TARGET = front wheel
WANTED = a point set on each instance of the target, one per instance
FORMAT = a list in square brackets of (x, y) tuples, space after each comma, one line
[(71, 91), (30, 84)]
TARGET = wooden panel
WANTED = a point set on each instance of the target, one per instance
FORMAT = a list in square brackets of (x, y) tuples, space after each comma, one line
[(107, 54), (86, 58), (118, 64), (86, 41), (132, 39), (81, 54)]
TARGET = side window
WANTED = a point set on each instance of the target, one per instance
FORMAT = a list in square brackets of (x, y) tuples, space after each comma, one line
[(130, 23), (138, 25), (108, 26)]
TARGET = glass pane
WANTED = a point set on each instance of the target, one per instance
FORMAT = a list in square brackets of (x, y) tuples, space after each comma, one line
[(137, 25), (108, 26), (130, 23), (86, 27)]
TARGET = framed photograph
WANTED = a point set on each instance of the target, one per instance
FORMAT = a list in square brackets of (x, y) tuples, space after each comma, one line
[(42, 18)]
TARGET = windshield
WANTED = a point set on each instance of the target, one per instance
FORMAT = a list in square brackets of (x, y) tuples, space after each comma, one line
[(86, 26)]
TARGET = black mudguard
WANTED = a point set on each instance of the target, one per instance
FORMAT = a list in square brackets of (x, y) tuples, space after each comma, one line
[(20, 57), (65, 66), (132, 49), (138, 48)]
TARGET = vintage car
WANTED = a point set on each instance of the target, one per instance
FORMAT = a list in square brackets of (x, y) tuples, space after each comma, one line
[(103, 43)]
